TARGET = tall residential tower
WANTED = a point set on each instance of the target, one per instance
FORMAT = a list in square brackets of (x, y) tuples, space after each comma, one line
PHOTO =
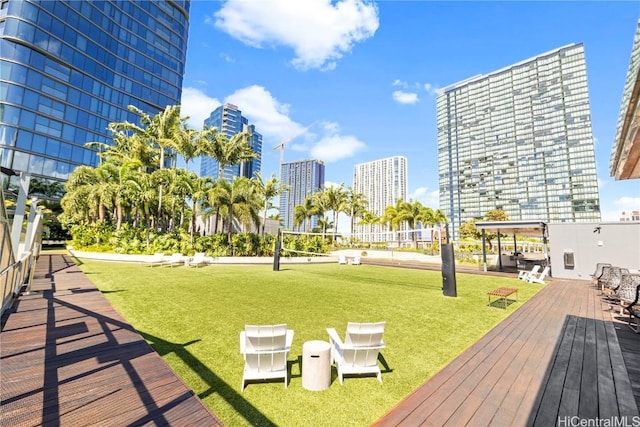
[(303, 178), (229, 120), (519, 139), (383, 182), (69, 68)]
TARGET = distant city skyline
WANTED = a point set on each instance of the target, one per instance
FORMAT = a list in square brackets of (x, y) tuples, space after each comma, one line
[(371, 78)]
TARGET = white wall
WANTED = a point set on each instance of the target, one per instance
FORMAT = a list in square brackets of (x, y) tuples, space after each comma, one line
[(617, 243)]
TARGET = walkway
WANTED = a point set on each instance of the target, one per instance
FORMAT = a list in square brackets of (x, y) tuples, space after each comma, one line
[(557, 357), (68, 358)]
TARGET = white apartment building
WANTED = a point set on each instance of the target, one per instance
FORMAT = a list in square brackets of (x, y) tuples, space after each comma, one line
[(519, 139), (382, 182)]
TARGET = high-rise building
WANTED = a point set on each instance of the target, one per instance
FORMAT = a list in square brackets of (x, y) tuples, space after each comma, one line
[(69, 68), (519, 139), (383, 182), (229, 120), (630, 216), (303, 178), (624, 162)]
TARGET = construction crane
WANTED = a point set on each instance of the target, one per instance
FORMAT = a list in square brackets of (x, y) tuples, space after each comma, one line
[(286, 141)]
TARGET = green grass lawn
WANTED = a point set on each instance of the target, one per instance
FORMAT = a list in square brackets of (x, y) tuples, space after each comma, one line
[(193, 318)]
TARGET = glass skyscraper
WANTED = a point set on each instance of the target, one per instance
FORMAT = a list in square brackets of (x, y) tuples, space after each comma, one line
[(303, 178), (519, 139), (383, 182), (69, 68), (229, 120)]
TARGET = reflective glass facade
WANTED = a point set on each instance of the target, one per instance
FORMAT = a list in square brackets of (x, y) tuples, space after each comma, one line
[(520, 140), (303, 178), (383, 182), (228, 119), (69, 68)]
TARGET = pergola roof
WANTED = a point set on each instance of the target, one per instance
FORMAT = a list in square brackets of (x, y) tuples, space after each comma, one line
[(519, 228)]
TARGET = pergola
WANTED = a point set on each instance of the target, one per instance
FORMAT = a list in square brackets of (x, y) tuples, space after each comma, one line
[(527, 228)]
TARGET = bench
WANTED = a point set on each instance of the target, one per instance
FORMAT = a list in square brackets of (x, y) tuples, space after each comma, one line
[(503, 293)]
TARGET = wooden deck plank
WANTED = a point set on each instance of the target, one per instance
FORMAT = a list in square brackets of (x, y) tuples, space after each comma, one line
[(569, 352), (67, 357)]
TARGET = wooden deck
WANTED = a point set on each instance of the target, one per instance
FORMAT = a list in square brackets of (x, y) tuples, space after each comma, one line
[(68, 358), (561, 355)]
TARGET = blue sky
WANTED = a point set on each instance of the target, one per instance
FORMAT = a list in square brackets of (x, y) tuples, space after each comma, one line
[(365, 75)]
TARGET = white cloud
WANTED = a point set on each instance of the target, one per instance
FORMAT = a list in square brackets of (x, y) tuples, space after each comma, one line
[(329, 184), (403, 97), (197, 105), (227, 58), (408, 93), (336, 147), (270, 117), (319, 32), (398, 82), (428, 198), (431, 89)]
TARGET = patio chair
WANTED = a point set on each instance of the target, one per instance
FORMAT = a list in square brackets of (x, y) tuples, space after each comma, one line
[(265, 349), (540, 278), (358, 354), (174, 259), (342, 259), (633, 309), (526, 275), (599, 269), (613, 280), (607, 271), (626, 292), (356, 261), (197, 260), (156, 259)]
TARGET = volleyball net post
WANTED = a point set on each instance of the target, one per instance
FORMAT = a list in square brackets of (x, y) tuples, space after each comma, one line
[(276, 254)]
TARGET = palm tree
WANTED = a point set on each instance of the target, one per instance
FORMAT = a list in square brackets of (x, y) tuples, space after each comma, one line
[(369, 219), (267, 190), (355, 205), (413, 213), (187, 144), (77, 202), (303, 213), (217, 199), (335, 198), (247, 203), (320, 207), (392, 217), (324, 224), (226, 151)]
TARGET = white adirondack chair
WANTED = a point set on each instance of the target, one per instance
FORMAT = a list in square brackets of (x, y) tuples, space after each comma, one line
[(540, 278), (356, 261), (526, 275), (265, 349), (342, 259), (358, 354)]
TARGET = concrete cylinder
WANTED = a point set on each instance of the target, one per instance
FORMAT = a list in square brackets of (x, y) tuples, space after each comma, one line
[(316, 365)]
